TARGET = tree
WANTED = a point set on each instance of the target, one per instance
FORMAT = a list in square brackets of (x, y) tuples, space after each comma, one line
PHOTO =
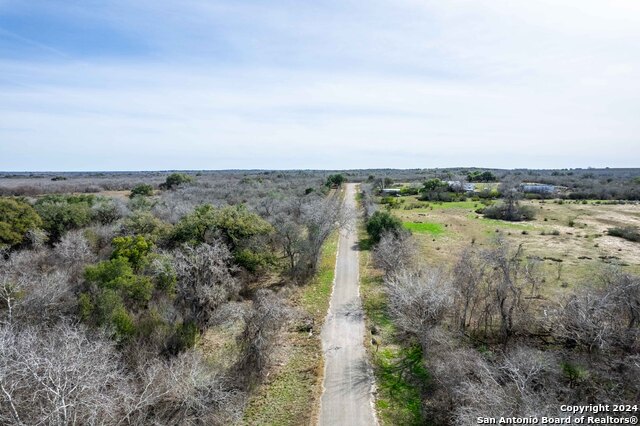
[(478, 176), (241, 230), (61, 213), (335, 180), (141, 190), (17, 217), (510, 208), (204, 281), (262, 323), (395, 252), (60, 376), (133, 248), (176, 179), (381, 222), (418, 300), (435, 190)]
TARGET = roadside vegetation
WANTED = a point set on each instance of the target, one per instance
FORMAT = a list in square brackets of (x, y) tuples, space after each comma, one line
[(165, 307), (493, 316)]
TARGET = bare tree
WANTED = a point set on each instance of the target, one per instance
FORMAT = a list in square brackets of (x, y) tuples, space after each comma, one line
[(204, 280), (261, 326), (418, 300), (59, 377), (395, 252)]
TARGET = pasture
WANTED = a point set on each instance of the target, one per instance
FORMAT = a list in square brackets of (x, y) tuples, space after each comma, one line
[(569, 238)]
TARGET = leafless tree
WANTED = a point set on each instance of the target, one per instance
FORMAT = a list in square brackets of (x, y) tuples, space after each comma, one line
[(262, 323), (395, 251), (183, 390), (204, 280), (418, 299), (59, 377)]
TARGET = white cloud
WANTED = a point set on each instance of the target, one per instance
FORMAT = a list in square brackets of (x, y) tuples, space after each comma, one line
[(396, 84)]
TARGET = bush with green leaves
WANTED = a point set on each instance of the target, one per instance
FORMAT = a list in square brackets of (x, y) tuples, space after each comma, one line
[(142, 190), (176, 179), (381, 222), (630, 233), (17, 217), (511, 212), (61, 213), (243, 231), (134, 249), (336, 180), (478, 176), (146, 224), (118, 275)]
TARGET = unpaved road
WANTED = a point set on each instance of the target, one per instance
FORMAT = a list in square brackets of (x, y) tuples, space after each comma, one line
[(347, 394)]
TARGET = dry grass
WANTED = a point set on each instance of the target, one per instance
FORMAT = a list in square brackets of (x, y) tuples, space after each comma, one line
[(581, 244)]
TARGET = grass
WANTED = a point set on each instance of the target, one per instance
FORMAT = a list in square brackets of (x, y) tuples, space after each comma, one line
[(424, 227), (290, 396), (398, 399), (401, 373), (584, 247)]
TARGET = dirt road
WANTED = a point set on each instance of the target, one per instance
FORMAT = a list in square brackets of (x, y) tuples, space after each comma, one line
[(347, 397)]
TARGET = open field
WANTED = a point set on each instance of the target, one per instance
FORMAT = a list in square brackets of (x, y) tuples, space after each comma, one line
[(569, 238)]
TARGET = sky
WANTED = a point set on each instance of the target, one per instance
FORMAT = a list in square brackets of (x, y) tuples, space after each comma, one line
[(324, 84)]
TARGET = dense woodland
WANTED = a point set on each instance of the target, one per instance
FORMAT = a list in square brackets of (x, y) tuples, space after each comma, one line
[(104, 297)]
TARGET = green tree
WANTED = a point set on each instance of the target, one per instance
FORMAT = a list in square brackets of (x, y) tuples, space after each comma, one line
[(335, 180), (142, 190), (478, 176), (61, 213), (381, 222), (133, 248), (16, 218), (244, 232), (118, 275), (176, 179)]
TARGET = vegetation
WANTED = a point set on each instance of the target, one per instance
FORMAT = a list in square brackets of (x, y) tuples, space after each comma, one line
[(116, 311), (335, 180), (202, 305), (479, 324), (382, 222), (17, 217), (61, 213), (141, 190), (630, 233), (478, 176), (176, 179)]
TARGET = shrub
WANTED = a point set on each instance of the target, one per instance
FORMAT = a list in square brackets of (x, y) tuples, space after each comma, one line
[(176, 179), (133, 248), (503, 211), (17, 217), (61, 213), (335, 180), (118, 275), (145, 223), (142, 190), (381, 222), (106, 211), (630, 233), (233, 223)]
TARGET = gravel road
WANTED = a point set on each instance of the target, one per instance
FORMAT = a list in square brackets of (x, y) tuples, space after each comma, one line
[(348, 382)]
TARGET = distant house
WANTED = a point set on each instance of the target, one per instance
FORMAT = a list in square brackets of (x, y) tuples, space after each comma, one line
[(391, 192), (538, 188), (457, 185)]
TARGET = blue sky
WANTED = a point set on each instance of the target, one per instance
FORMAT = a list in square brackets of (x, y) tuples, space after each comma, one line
[(190, 84)]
